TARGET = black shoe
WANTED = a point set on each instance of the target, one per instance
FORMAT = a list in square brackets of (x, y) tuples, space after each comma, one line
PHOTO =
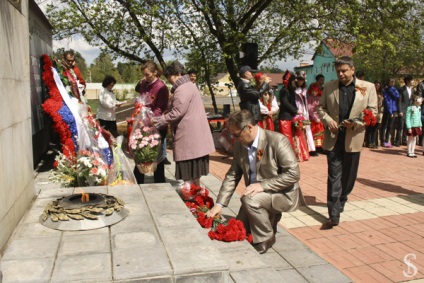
[(166, 161), (329, 224), (396, 144), (313, 153), (265, 245)]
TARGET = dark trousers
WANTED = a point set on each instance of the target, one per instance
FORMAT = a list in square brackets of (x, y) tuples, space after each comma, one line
[(371, 135), (342, 172), (159, 175), (400, 136), (386, 127), (109, 126)]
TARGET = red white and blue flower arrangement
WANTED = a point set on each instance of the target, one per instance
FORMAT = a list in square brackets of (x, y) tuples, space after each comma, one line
[(75, 140), (63, 120)]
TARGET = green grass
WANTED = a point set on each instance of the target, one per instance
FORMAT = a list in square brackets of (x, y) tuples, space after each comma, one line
[(94, 104)]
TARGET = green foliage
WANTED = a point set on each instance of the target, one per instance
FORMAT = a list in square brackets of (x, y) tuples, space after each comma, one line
[(94, 104), (130, 72), (102, 66), (124, 94), (388, 37), (388, 34)]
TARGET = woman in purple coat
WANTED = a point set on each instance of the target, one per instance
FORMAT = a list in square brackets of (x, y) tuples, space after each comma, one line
[(153, 86), (193, 140)]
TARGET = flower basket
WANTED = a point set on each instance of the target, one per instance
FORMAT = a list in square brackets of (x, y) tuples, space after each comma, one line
[(147, 168), (145, 141)]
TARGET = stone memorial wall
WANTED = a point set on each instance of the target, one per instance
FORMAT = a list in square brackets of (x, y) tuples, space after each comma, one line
[(16, 158)]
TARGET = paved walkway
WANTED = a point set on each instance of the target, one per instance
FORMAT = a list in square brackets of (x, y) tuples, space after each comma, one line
[(381, 237)]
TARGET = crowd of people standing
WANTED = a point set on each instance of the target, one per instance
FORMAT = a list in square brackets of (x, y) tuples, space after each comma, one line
[(299, 121)]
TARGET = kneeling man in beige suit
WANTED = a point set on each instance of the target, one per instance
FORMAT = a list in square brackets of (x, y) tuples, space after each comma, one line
[(271, 173)]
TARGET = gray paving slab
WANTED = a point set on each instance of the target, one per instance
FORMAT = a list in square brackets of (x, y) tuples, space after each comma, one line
[(157, 279), (132, 194), (326, 273), (131, 240), (82, 244), (243, 259), (133, 223), (32, 248), (172, 220), (204, 278), (158, 208), (141, 263), (27, 270), (31, 216), (83, 267), (275, 260), (292, 276), (54, 192), (261, 275), (212, 183), (138, 208), (222, 246), (196, 259), (286, 243), (34, 230), (182, 236), (302, 258), (92, 232)]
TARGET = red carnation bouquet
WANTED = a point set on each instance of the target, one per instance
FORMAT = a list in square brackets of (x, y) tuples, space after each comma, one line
[(233, 231), (199, 202), (367, 117)]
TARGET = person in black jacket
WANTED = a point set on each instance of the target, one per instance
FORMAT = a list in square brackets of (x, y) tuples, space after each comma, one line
[(405, 99), (249, 96), (288, 108)]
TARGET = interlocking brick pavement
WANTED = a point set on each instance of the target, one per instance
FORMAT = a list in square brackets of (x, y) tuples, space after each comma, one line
[(381, 236)]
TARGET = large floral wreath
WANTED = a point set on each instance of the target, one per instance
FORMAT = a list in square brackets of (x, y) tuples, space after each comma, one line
[(63, 120)]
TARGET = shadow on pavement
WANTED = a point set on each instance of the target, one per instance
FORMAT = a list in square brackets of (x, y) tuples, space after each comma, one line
[(385, 186)]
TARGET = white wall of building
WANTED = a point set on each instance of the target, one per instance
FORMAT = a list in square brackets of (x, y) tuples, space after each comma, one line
[(16, 160)]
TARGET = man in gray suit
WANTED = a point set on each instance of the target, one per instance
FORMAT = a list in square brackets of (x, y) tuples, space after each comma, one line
[(340, 107), (271, 173)]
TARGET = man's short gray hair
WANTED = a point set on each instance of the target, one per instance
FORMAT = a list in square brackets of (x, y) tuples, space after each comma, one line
[(344, 60), (240, 119)]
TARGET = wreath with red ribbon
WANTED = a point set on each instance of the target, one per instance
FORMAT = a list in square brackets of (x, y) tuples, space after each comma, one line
[(63, 123)]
